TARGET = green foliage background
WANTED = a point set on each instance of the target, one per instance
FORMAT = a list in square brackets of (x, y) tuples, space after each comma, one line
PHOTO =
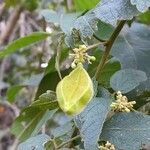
[(55, 29)]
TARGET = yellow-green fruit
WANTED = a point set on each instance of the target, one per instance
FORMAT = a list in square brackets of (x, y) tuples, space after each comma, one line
[(75, 91)]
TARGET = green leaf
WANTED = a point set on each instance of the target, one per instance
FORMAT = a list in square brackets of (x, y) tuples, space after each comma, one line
[(84, 4), (36, 143), (49, 145), (86, 25), (114, 10), (42, 105), (31, 5), (50, 16), (58, 55), (31, 118), (13, 91), (49, 82), (127, 80), (51, 66), (82, 29), (109, 69), (95, 86), (61, 56), (33, 81), (142, 5), (141, 98), (90, 122), (62, 130), (104, 30), (48, 96), (47, 101), (51, 78), (75, 91), (127, 131), (104, 93), (34, 120), (144, 17), (65, 21), (11, 2), (132, 49), (22, 42)]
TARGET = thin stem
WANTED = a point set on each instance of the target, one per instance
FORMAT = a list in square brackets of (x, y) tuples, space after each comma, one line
[(132, 109), (57, 64), (55, 145), (95, 45), (108, 47), (64, 143)]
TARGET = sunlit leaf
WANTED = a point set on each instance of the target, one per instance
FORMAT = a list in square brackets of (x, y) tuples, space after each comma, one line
[(144, 17), (23, 42), (85, 4)]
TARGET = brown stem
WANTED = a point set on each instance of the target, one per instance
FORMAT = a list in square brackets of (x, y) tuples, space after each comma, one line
[(108, 47), (10, 25)]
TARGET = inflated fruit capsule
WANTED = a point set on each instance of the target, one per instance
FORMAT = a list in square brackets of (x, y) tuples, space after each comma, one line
[(75, 91)]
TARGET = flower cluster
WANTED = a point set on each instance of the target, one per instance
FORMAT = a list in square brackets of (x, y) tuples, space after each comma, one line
[(107, 146), (80, 56), (121, 104)]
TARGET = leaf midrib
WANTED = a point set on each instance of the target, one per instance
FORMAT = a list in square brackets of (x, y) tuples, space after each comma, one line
[(26, 127)]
